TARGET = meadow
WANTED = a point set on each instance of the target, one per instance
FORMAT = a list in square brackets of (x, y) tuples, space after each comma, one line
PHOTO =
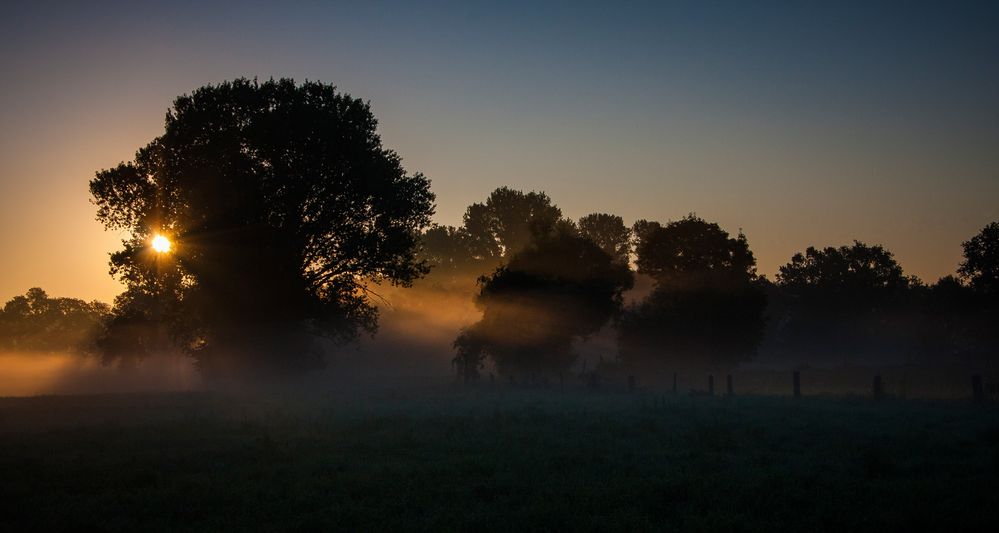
[(442, 458)]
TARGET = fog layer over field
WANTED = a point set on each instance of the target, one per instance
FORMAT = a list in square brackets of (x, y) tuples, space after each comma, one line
[(31, 373)]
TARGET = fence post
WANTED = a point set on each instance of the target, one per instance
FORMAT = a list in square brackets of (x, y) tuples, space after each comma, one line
[(561, 382), (978, 392), (674, 383), (711, 385), (879, 389), (797, 384), (728, 385), (631, 383)]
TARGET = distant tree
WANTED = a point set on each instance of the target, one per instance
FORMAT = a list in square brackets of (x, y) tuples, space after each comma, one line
[(944, 315), (695, 252), (560, 288), (707, 309), (508, 220), (136, 328), (847, 272), (609, 233), (846, 305), (36, 322), (446, 248), (980, 267), (976, 309), (640, 231), (283, 207)]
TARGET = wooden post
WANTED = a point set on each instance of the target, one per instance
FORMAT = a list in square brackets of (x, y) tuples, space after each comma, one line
[(561, 382), (978, 392), (631, 383), (879, 389), (711, 385), (674, 383), (797, 384), (728, 385)]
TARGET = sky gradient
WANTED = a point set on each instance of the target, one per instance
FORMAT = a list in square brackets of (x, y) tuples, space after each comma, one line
[(801, 126)]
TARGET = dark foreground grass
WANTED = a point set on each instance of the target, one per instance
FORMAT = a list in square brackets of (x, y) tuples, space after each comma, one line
[(444, 459)]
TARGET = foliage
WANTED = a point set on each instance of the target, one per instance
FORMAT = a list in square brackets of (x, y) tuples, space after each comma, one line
[(844, 274), (980, 267), (560, 288), (453, 254), (846, 304), (283, 206), (706, 310), (691, 252), (609, 233), (641, 230), (508, 220), (36, 322)]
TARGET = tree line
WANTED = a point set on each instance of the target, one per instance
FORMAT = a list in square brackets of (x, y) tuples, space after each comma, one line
[(708, 308), (287, 216)]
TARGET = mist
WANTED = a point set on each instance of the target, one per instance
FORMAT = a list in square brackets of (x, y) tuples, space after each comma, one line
[(55, 373)]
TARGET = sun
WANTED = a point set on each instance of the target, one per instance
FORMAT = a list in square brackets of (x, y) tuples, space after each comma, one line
[(161, 244)]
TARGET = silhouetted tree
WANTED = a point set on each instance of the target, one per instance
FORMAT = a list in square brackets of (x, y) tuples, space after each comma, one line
[(974, 311), (283, 207), (560, 288), (609, 233), (980, 266), (640, 230), (454, 254), (508, 220), (844, 273), (706, 310), (693, 252), (845, 304), (945, 317), (36, 322)]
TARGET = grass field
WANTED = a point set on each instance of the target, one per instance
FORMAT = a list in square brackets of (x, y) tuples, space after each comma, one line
[(445, 458)]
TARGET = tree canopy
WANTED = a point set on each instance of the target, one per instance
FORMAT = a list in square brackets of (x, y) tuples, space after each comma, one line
[(706, 311), (693, 252), (980, 266), (853, 271), (560, 288), (37, 322), (283, 207), (609, 233), (508, 220), (844, 304)]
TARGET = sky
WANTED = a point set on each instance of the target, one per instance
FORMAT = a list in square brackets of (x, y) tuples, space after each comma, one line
[(798, 124)]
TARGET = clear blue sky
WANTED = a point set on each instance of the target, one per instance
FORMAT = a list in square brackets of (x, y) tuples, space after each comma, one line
[(802, 125)]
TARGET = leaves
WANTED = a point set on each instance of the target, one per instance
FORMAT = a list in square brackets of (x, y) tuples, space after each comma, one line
[(282, 203)]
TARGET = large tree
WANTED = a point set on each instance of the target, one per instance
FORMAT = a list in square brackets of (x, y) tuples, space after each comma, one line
[(282, 206), (706, 311)]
